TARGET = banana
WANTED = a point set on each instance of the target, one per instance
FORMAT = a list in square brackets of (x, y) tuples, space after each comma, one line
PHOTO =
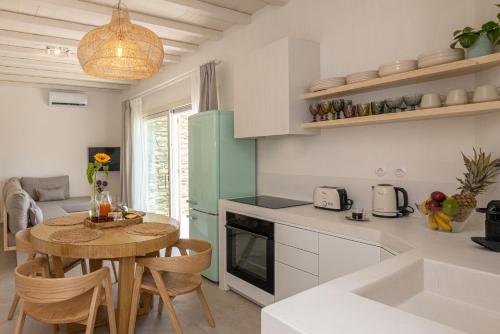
[(443, 223), (432, 222), (443, 215)]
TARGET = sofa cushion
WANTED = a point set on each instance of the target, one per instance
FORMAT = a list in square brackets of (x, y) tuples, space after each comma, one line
[(72, 204), (35, 214), (17, 205), (31, 183), (53, 194), (51, 210)]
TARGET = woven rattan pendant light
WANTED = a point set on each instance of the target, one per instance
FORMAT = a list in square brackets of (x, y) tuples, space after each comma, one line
[(120, 50)]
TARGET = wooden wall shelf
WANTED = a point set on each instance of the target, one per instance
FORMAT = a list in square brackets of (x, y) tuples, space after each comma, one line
[(415, 115), (456, 68)]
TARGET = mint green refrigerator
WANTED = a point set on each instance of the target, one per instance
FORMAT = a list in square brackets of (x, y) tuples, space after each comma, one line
[(220, 166)]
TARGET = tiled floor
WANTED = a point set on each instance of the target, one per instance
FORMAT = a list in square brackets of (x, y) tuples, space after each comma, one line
[(232, 313)]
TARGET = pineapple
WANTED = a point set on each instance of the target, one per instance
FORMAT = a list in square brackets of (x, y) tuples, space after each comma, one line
[(481, 173)]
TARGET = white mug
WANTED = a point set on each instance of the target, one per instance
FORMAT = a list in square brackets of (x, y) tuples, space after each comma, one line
[(485, 93), (431, 100), (456, 97)]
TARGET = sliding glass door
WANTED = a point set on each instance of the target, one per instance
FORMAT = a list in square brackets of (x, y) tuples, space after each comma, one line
[(166, 165)]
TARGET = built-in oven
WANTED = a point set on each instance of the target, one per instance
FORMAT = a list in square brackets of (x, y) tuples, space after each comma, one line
[(250, 250)]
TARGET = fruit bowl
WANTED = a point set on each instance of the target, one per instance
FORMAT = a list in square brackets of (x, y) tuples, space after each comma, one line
[(444, 213)]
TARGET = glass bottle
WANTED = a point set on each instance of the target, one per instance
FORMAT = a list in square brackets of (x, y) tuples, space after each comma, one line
[(104, 204), (94, 209)]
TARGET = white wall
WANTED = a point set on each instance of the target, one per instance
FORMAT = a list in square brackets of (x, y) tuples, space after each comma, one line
[(359, 35), (38, 140)]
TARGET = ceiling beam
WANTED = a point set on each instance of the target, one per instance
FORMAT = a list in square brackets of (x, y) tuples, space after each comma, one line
[(40, 65), (185, 28), (276, 2), (56, 75), (168, 44), (207, 9), (63, 82), (14, 50)]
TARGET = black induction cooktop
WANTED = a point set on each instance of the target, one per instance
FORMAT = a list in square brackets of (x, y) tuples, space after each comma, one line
[(269, 202)]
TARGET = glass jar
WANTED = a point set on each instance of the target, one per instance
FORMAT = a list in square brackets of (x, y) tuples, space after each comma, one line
[(94, 208), (105, 204)]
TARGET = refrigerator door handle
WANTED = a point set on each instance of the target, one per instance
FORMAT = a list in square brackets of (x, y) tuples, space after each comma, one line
[(191, 217), (191, 202)]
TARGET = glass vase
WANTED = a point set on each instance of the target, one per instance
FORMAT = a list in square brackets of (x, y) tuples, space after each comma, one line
[(94, 208)]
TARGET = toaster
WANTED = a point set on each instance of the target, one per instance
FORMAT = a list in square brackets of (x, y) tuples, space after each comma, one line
[(332, 198)]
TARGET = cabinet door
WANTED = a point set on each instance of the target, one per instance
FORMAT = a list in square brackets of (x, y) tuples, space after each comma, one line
[(338, 257), (203, 226), (290, 281)]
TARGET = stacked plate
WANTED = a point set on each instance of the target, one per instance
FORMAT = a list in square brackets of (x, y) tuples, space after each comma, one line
[(323, 84), (361, 76), (440, 57), (399, 66)]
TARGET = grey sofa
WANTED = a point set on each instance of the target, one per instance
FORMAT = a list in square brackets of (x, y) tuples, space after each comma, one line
[(28, 201)]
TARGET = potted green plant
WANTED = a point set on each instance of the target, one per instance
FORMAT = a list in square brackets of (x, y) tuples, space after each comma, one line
[(479, 42)]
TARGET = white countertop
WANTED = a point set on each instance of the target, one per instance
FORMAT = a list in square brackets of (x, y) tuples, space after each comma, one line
[(331, 307)]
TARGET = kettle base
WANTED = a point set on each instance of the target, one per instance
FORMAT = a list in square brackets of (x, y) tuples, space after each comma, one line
[(491, 245)]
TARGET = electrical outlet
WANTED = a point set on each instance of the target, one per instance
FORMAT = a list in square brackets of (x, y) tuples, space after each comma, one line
[(400, 172), (380, 171)]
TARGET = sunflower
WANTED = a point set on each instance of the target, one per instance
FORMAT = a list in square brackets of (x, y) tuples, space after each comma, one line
[(102, 158)]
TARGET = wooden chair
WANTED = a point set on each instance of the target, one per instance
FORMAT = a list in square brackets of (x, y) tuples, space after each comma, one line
[(173, 276), (62, 300), (23, 245)]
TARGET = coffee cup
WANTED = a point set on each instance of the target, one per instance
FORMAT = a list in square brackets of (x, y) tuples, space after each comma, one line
[(456, 97), (430, 100), (485, 93), (358, 214)]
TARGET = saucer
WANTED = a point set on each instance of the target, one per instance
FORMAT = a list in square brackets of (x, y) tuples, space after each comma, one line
[(365, 219), (492, 245)]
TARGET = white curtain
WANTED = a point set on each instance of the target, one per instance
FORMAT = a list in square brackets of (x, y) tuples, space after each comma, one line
[(195, 91), (139, 174)]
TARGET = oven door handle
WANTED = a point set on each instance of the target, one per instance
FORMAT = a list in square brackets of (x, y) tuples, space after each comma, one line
[(245, 231)]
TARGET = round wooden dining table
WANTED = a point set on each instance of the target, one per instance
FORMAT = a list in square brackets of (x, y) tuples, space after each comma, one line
[(113, 244)]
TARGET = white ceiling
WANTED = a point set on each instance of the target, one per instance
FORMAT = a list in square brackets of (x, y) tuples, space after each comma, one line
[(27, 27)]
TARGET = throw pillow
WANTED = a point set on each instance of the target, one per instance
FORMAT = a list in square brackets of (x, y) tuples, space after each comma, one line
[(35, 214), (17, 205), (54, 194)]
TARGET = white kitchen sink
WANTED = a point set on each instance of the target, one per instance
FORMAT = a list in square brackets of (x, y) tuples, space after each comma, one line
[(458, 297)]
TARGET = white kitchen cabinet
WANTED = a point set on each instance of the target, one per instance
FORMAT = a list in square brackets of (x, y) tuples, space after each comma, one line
[(338, 257), (268, 84), (296, 258), (290, 281), (296, 237)]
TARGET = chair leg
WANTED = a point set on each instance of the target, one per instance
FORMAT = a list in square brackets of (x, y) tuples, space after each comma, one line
[(94, 305), (55, 329), (20, 320), (115, 272), (109, 304), (83, 263), (206, 308), (167, 302), (136, 295), (13, 307), (160, 305)]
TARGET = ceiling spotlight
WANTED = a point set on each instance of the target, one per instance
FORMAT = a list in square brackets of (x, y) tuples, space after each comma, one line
[(58, 51)]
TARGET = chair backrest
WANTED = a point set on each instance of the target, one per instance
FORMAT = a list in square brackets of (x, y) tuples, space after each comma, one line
[(187, 264), (43, 290), (23, 241)]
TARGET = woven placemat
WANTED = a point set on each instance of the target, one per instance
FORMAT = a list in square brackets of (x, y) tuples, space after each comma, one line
[(65, 220), (75, 235), (150, 229)]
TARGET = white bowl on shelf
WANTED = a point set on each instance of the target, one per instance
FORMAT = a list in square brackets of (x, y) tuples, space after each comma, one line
[(361, 76), (399, 66), (439, 57)]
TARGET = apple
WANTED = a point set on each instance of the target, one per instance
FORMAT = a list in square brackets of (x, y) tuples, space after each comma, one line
[(438, 196), (434, 206)]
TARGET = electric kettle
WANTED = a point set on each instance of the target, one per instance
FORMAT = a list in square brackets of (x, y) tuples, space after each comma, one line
[(389, 201)]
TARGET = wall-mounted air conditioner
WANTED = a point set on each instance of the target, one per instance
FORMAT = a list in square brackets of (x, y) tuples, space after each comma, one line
[(75, 99)]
